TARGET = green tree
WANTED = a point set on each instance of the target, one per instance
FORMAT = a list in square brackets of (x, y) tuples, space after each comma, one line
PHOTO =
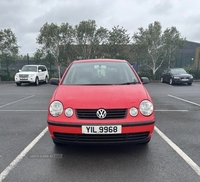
[(88, 39), (53, 39), (99, 42), (8, 48), (84, 35), (173, 42), (117, 42), (157, 47)]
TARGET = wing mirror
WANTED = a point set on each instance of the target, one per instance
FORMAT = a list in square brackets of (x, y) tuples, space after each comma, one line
[(145, 80)]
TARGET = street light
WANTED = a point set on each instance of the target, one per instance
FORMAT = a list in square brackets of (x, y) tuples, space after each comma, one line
[(192, 61)]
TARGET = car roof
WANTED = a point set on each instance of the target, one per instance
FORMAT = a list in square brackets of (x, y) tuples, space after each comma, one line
[(34, 65), (175, 68), (99, 60)]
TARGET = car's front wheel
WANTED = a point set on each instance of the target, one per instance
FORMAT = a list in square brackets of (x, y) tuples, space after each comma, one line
[(46, 79), (18, 84), (161, 80), (146, 141), (56, 143), (189, 83), (171, 81), (36, 81)]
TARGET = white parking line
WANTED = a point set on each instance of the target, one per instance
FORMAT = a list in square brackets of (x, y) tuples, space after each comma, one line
[(171, 110), (187, 159), (12, 165), (16, 101), (190, 102)]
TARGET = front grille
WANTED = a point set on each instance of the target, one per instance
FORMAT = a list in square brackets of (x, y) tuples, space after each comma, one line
[(91, 113), (185, 77), (107, 138), (23, 75)]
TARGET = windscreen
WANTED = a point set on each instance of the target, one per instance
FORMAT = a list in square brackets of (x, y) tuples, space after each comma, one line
[(178, 71), (29, 68), (100, 73)]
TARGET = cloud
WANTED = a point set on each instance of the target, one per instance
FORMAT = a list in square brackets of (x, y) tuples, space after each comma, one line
[(25, 18)]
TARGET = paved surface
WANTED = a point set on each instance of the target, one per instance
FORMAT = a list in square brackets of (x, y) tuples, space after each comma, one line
[(27, 153)]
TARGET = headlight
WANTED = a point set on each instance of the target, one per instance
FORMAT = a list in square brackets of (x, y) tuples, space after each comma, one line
[(16, 76), (69, 112), (176, 77), (31, 75), (56, 108), (146, 107), (191, 77), (133, 111)]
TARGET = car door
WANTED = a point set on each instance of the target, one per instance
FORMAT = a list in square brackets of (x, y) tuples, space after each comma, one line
[(164, 75), (41, 73), (168, 75)]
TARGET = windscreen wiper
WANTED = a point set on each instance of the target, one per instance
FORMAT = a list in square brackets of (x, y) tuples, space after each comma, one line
[(129, 83)]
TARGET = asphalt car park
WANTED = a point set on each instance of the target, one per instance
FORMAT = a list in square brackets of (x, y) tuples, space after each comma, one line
[(27, 152)]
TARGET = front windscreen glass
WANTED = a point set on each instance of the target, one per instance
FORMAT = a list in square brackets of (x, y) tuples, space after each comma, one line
[(29, 68), (100, 73), (178, 71)]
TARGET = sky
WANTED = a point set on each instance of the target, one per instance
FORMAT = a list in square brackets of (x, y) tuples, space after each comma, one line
[(25, 18)]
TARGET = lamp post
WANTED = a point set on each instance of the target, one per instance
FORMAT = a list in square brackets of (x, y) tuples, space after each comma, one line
[(28, 58), (192, 61)]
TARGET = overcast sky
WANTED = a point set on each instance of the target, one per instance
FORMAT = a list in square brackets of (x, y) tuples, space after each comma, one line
[(25, 18)]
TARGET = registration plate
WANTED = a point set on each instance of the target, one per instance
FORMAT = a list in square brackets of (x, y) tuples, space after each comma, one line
[(184, 79), (101, 129)]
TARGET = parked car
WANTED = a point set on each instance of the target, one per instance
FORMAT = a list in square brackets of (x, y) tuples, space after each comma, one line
[(100, 101), (32, 74), (176, 76)]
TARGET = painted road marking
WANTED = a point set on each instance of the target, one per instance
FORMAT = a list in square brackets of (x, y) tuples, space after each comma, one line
[(12, 165), (171, 110), (190, 102), (187, 159), (16, 101)]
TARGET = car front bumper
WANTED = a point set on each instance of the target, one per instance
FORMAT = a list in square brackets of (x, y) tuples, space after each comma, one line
[(25, 80), (183, 81), (139, 132)]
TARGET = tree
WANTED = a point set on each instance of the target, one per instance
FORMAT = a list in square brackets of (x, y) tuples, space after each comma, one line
[(174, 42), (117, 42), (8, 48), (54, 39), (157, 47), (84, 35), (88, 39), (99, 42)]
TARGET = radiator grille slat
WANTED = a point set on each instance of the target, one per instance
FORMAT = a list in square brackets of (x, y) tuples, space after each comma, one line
[(91, 113), (103, 138)]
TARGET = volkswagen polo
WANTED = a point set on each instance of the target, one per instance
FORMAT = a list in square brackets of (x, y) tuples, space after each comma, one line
[(101, 101)]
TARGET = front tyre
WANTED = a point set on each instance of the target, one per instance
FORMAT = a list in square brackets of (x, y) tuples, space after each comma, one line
[(146, 141), (56, 143), (36, 81), (46, 79), (171, 81), (161, 80), (18, 84)]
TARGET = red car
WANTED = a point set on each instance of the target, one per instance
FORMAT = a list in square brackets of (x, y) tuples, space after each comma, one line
[(101, 101)]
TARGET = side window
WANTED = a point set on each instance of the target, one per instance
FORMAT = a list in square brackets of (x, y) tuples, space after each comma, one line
[(165, 71), (40, 68), (43, 68)]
